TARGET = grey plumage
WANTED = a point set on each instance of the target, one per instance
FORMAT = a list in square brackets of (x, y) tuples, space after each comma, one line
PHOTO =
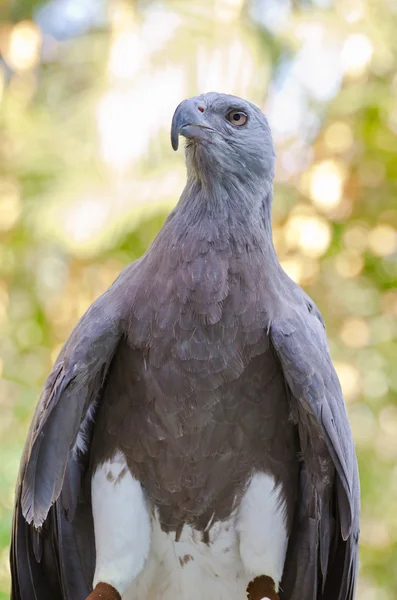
[(201, 363)]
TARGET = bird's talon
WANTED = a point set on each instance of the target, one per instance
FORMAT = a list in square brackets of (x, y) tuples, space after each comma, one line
[(262, 588), (104, 591)]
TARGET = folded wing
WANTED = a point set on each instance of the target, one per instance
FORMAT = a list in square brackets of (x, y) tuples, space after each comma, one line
[(48, 556), (323, 550)]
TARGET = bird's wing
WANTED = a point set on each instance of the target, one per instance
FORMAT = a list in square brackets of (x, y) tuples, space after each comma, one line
[(44, 544), (323, 551)]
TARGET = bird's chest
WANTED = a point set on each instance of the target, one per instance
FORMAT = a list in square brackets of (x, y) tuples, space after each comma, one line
[(201, 324), (199, 383)]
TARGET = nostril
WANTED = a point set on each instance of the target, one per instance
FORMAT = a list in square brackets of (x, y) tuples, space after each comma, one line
[(201, 108)]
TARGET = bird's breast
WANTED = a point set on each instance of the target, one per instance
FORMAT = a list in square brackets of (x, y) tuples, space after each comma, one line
[(204, 311), (192, 401)]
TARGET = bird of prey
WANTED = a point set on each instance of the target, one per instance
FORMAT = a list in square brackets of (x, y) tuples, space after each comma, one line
[(191, 441)]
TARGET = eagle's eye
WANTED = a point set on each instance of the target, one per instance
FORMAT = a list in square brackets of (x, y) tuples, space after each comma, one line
[(237, 117)]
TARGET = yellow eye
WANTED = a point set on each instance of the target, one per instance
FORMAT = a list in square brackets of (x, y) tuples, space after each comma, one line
[(237, 117)]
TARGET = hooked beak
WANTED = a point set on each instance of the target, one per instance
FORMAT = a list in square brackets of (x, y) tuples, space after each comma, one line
[(188, 120)]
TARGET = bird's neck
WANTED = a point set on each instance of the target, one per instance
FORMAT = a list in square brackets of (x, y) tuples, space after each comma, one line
[(238, 214), (226, 220), (205, 242), (235, 211)]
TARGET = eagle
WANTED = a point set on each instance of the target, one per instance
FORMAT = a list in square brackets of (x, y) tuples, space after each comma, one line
[(191, 441)]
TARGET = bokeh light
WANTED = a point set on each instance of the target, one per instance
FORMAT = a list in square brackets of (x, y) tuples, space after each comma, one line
[(326, 184), (357, 52), (22, 52)]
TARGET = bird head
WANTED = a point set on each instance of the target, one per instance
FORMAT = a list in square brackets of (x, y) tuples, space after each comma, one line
[(225, 136)]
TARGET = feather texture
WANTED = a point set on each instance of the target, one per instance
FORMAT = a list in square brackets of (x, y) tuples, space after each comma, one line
[(326, 445), (203, 364)]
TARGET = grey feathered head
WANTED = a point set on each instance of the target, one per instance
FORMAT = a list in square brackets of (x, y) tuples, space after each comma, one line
[(226, 136)]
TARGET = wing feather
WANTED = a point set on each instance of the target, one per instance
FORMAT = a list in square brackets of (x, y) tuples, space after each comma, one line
[(48, 555), (327, 448)]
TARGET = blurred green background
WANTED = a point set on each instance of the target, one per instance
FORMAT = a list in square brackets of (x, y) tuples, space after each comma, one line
[(87, 175)]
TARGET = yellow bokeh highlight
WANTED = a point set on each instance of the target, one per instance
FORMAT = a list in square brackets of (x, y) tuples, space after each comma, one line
[(326, 184), (338, 137), (350, 379), (310, 233), (349, 263), (10, 204), (356, 54), (382, 240), (355, 333), (23, 49)]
